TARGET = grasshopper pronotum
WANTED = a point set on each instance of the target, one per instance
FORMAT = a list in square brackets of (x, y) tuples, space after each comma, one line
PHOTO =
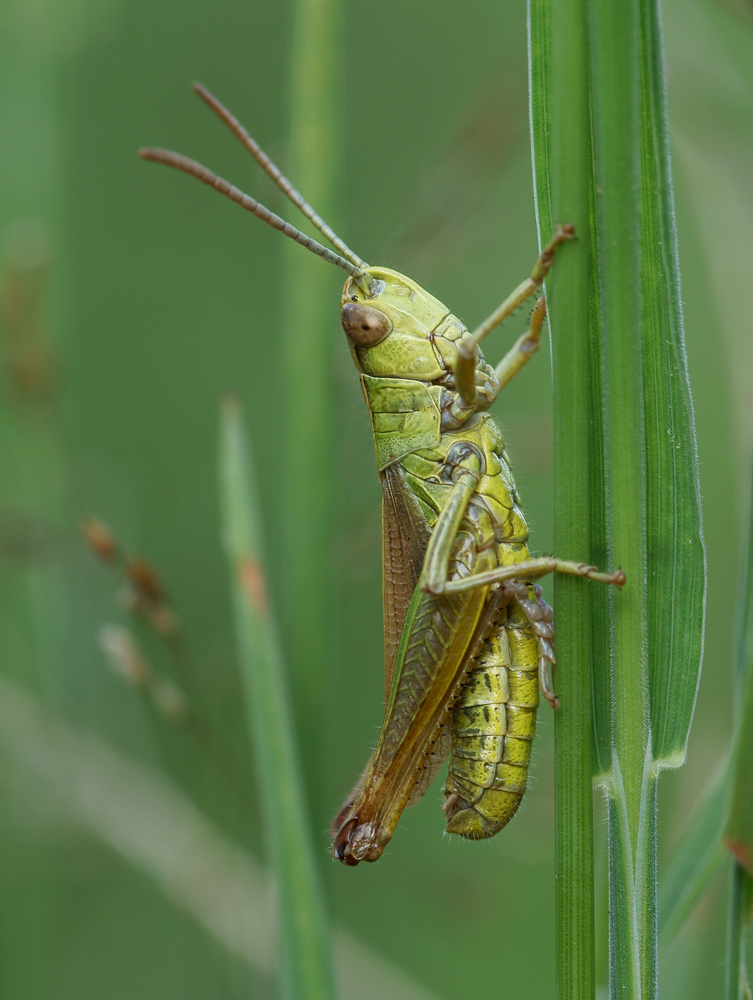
[(468, 638)]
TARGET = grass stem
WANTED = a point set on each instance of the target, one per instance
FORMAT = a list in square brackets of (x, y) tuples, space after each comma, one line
[(305, 960)]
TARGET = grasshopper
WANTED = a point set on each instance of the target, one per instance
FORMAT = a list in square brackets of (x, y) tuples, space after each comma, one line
[(468, 638)]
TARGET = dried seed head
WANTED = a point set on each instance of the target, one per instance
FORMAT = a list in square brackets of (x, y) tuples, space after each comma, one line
[(145, 581), (99, 539), (163, 619), (124, 656)]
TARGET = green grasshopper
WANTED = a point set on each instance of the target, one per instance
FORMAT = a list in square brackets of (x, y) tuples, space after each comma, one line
[(468, 638)]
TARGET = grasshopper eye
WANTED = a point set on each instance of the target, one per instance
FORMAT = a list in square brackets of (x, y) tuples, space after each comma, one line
[(364, 325)]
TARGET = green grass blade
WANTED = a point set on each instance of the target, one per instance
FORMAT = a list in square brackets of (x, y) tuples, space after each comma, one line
[(738, 831), (677, 589), (614, 52), (725, 815), (540, 111), (653, 475), (310, 314), (741, 899), (305, 959), (625, 448), (695, 860), (561, 152), (655, 526)]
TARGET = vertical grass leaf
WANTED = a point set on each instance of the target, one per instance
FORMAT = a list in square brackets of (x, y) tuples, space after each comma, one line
[(561, 153), (725, 815), (740, 903), (625, 432), (540, 111), (677, 583), (738, 832), (695, 860), (305, 960), (310, 311), (615, 37)]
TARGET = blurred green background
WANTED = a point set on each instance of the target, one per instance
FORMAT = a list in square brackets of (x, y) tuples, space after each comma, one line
[(131, 299)]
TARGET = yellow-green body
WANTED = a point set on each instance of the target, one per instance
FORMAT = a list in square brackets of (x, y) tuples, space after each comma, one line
[(493, 725), (490, 699), (494, 720), (467, 636)]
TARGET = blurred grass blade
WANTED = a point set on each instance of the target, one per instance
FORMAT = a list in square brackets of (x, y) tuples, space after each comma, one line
[(740, 904), (725, 814), (310, 320), (695, 860), (143, 816), (561, 156), (677, 582), (738, 832), (305, 960)]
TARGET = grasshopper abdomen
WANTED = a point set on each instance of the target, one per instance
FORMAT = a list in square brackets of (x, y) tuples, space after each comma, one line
[(493, 726)]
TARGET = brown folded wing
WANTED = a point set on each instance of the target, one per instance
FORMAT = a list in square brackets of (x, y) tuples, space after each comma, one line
[(405, 535)]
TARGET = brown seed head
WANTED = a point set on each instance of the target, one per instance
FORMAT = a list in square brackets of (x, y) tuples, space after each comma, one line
[(145, 581), (99, 539)]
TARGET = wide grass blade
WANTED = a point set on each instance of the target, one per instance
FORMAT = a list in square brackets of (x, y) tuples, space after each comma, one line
[(305, 960), (626, 471), (677, 583)]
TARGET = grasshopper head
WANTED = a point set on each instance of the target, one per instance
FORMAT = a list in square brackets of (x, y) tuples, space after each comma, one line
[(390, 321)]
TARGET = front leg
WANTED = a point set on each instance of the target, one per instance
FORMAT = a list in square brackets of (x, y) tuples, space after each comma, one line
[(468, 347), (524, 348)]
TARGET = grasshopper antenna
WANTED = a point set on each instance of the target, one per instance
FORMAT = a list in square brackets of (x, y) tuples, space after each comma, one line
[(206, 176), (273, 171)]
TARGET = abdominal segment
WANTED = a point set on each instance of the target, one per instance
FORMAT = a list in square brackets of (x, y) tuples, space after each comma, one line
[(493, 725)]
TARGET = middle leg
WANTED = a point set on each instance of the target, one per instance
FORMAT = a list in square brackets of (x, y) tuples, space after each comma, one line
[(529, 570)]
